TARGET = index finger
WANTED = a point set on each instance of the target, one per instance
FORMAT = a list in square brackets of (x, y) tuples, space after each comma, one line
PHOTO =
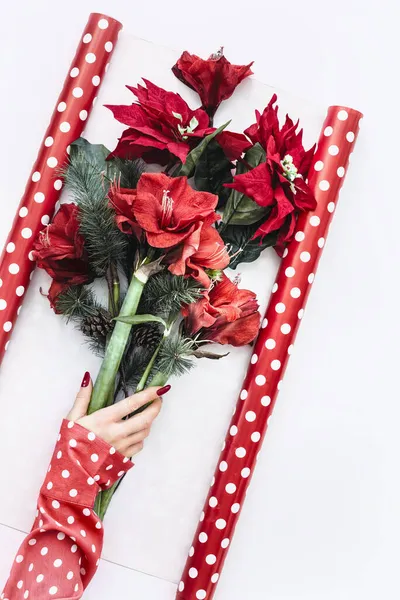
[(128, 405)]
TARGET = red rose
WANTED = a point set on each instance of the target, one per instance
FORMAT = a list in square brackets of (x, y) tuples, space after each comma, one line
[(160, 126), (214, 79), (226, 315), (204, 249), (60, 251), (280, 181)]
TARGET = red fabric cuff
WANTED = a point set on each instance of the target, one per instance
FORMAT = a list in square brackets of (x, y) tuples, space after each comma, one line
[(81, 465)]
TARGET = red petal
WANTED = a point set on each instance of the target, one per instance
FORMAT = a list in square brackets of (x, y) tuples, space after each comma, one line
[(256, 184), (233, 144), (239, 332)]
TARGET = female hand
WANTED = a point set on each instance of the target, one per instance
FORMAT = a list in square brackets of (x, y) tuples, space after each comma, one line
[(127, 436)]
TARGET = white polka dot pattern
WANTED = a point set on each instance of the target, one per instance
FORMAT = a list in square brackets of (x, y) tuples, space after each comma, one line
[(43, 188), (63, 548), (273, 348)]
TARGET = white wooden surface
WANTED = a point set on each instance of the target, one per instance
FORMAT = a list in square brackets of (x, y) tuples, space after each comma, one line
[(321, 518)]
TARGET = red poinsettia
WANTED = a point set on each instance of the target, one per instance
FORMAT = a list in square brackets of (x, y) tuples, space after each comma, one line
[(162, 126), (279, 182), (60, 251), (233, 144), (204, 249), (226, 314), (214, 79)]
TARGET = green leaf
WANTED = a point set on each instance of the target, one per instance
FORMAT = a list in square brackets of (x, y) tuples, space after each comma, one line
[(242, 247), (240, 209), (194, 156), (255, 156), (94, 154), (138, 319), (212, 171)]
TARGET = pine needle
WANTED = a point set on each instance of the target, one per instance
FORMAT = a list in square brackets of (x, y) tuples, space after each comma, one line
[(76, 303), (105, 243), (175, 356), (165, 294), (130, 172)]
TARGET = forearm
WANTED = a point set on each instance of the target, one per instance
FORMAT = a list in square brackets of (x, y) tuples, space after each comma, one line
[(61, 554)]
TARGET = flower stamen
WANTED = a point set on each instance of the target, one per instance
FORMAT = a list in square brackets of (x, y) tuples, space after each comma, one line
[(167, 205), (289, 169)]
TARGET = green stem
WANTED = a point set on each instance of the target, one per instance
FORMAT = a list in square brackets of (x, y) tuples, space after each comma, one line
[(142, 382), (159, 379), (97, 504), (104, 498), (116, 291), (108, 371)]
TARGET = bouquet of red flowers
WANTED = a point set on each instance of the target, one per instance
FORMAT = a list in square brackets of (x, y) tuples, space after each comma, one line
[(138, 254)]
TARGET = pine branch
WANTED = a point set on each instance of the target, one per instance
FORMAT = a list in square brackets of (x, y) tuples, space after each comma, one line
[(165, 294), (129, 172), (175, 356), (77, 302), (105, 243)]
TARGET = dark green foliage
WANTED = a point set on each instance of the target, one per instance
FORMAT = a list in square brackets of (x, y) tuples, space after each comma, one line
[(241, 210), (143, 341), (242, 247), (88, 177), (165, 293), (212, 171), (176, 355), (195, 155), (77, 302), (129, 172)]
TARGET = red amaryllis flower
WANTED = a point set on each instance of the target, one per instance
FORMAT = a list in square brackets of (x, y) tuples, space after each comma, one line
[(279, 182), (60, 251), (204, 249), (214, 79), (226, 315), (160, 126), (121, 200), (166, 208)]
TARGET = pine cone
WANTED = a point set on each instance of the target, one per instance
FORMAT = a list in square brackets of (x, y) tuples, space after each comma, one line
[(146, 336), (98, 326)]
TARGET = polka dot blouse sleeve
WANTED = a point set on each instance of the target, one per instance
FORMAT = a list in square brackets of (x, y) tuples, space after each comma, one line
[(61, 554)]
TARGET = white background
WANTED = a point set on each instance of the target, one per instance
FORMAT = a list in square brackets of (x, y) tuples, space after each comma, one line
[(322, 517)]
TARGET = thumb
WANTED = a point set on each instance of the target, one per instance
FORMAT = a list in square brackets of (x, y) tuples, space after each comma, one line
[(82, 399)]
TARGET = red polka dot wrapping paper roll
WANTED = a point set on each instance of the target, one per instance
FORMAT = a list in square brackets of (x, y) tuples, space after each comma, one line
[(44, 185), (268, 362)]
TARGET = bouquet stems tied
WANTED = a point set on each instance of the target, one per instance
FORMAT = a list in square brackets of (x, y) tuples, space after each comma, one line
[(105, 381)]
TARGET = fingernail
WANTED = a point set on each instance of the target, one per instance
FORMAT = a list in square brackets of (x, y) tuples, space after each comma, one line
[(86, 379), (163, 390)]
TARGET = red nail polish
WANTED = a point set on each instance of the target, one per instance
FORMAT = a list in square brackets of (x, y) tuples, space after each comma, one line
[(163, 390), (86, 379)]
